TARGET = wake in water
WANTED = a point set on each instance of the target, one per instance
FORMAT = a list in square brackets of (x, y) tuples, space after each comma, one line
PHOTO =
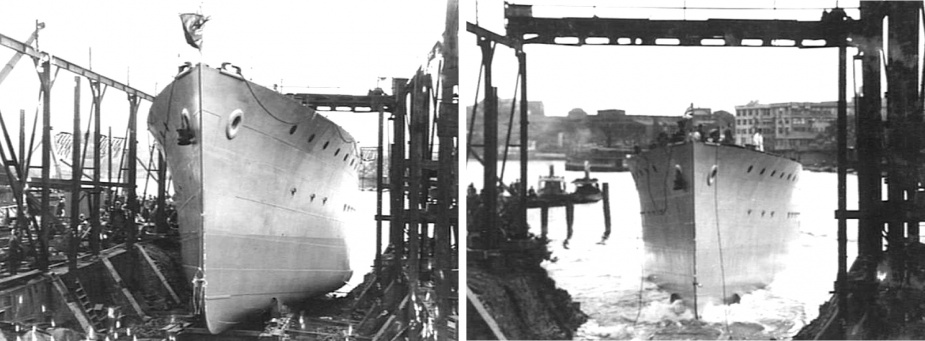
[(759, 315), (605, 279)]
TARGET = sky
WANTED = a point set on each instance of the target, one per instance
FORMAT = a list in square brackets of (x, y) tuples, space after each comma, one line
[(656, 80), (307, 46)]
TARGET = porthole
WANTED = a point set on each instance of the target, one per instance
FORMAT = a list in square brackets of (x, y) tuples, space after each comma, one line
[(788, 176), (762, 171), (293, 129), (337, 152), (782, 175), (654, 169), (750, 168), (325, 146), (773, 173), (234, 123), (711, 178), (351, 162), (346, 156), (311, 138)]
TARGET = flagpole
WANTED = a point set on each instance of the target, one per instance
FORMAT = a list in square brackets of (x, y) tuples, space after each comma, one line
[(192, 27), (202, 232)]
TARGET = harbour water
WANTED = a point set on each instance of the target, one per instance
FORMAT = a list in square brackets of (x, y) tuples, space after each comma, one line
[(607, 278)]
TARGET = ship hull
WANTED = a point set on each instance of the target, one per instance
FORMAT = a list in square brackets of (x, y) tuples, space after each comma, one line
[(717, 219), (260, 194)]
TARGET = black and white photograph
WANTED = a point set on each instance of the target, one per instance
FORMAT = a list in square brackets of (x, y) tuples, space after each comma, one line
[(229, 170), (301, 170), (693, 169)]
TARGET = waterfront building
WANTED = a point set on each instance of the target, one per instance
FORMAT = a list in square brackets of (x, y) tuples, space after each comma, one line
[(791, 126)]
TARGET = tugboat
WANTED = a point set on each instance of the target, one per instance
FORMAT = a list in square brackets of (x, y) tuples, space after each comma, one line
[(552, 191)]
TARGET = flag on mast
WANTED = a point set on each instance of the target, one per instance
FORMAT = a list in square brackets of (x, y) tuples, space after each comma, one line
[(192, 28)]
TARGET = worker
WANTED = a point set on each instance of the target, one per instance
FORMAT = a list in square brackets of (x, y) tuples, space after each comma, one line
[(694, 136), (681, 134), (83, 225), (59, 211), (727, 136), (117, 220), (15, 253), (758, 141)]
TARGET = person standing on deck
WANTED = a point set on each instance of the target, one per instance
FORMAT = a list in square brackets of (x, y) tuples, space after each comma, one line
[(695, 135), (758, 141), (728, 138)]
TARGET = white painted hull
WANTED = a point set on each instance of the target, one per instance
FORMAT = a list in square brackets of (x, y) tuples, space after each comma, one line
[(262, 213), (708, 237)]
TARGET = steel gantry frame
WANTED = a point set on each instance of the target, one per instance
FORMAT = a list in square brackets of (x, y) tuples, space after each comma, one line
[(44, 63), (834, 29)]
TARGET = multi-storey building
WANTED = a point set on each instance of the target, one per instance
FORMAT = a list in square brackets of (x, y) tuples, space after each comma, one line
[(790, 126), (611, 128)]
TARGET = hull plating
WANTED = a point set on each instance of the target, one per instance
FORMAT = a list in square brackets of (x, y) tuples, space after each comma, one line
[(261, 189), (716, 219)]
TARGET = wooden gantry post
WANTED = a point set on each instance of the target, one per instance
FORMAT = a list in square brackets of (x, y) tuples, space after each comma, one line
[(397, 176), (416, 155), (870, 135), (44, 230), (95, 225), (380, 173), (131, 186), (489, 228), (904, 130), (524, 141), (842, 137), (447, 128), (76, 172), (131, 196)]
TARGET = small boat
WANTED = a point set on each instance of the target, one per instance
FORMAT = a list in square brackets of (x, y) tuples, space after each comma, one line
[(552, 191), (600, 159)]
